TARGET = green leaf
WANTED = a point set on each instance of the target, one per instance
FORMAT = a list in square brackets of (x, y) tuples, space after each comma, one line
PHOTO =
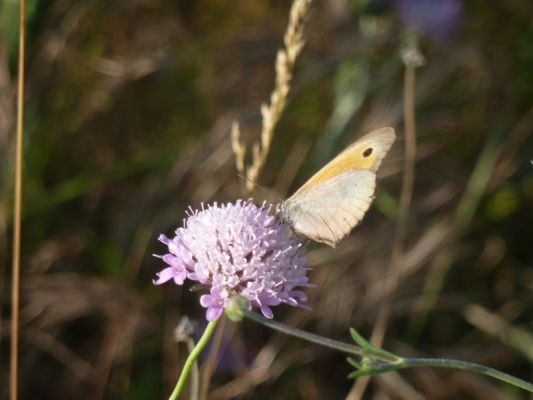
[(372, 350), (359, 373), (353, 362), (361, 341)]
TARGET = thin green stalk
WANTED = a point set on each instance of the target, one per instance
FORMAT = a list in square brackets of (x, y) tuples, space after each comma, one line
[(193, 355), (389, 362), (317, 339)]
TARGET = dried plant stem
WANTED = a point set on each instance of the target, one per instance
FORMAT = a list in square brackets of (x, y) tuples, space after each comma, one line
[(195, 374), (191, 359), (211, 360), (293, 43), (412, 59), (239, 150), (15, 285)]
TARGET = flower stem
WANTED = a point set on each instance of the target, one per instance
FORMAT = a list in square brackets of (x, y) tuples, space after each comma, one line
[(310, 337), (389, 361), (193, 355)]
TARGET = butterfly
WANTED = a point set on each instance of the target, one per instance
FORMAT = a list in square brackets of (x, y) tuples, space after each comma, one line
[(327, 207)]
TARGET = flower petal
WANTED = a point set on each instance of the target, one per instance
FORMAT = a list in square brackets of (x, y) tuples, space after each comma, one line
[(213, 313), (206, 300), (267, 312), (163, 276)]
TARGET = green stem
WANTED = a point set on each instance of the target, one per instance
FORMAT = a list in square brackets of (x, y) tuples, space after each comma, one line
[(320, 340), (193, 355), (390, 362), (469, 366)]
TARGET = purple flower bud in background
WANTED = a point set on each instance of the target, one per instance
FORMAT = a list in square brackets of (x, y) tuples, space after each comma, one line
[(434, 18), (236, 249)]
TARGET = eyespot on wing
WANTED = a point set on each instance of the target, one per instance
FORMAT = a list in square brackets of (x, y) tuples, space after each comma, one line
[(367, 152)]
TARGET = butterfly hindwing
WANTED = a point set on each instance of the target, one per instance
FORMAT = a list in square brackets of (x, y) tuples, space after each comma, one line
[(327, 212)]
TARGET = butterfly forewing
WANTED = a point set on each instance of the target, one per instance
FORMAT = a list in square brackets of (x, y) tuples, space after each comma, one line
[(365, 153), (335, 199)]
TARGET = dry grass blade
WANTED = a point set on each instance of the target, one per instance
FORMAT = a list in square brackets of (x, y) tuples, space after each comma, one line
[(15, 284), (519, 338), (271, 113), (412, 59)]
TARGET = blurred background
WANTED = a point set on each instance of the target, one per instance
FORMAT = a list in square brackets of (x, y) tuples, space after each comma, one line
[(128, 111)]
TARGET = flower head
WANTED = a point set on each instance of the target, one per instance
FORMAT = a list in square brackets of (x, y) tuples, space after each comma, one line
[(434, 18), (236, 249)]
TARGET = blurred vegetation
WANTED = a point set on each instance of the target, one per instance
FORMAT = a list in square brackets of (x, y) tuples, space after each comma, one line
[(128, 111)]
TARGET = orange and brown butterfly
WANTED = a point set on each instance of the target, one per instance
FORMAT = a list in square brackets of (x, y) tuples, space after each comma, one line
[(335, 199)]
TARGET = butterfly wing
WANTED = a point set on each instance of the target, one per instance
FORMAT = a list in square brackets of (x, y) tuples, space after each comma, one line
[(379, 141), (365, 153), (327, 212)]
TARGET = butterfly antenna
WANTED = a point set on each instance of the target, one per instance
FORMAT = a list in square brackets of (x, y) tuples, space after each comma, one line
[(280, 200), (253, 182)]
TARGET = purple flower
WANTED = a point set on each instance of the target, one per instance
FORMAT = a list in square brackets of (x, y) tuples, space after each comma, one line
[(434, 18), (236, 249)]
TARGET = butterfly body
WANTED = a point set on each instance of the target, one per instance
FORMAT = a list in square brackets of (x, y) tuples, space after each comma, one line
[(335, 199)]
